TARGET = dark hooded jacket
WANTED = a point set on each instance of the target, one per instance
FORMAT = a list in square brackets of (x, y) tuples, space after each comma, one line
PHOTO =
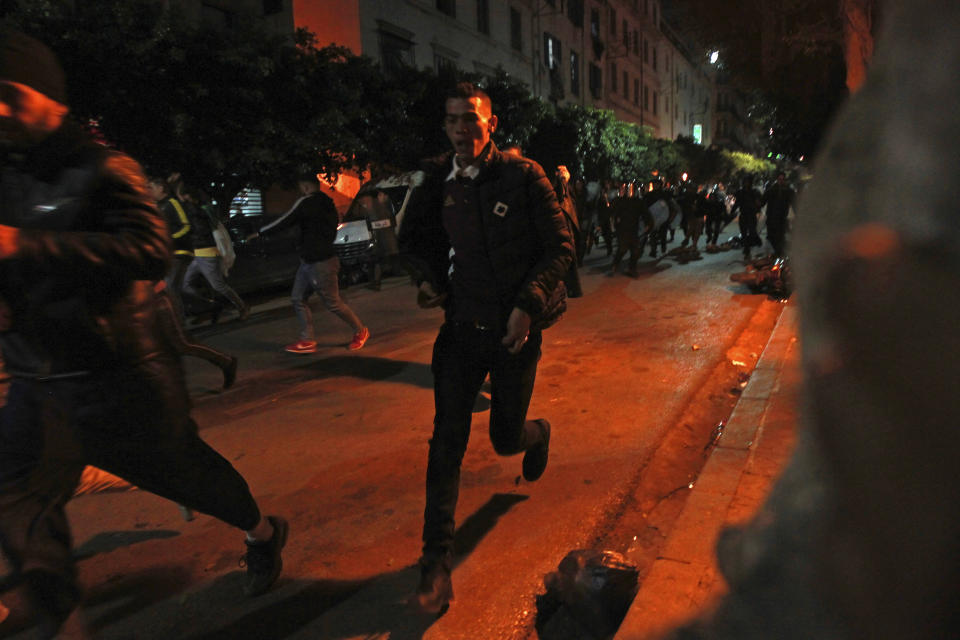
[(529, 247), (77, 293)]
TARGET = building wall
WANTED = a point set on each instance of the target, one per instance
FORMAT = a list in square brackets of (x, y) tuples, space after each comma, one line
[(688, 90)]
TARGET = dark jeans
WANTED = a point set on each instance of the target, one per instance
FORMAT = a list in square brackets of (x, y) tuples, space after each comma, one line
[(320, 278), (172, 327), (174, 280), (462, 357), (132, 422)]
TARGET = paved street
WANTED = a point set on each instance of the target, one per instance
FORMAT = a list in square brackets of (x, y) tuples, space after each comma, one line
[(337, 443)]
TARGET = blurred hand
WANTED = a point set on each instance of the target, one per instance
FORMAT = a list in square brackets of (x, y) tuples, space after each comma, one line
[(427, 296), (255, 234), (518, 328), (9, 241)]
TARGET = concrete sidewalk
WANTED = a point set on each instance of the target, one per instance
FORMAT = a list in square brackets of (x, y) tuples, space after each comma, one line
[(754, 447)]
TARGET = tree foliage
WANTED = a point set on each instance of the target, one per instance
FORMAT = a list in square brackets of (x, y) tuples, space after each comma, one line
[(241, 107)]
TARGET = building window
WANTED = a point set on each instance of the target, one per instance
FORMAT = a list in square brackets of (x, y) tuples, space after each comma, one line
[(654, 14), (646, 98), (516, 30), (656, 100), (396, 50), (551, 51), (636, 91), (575, 12), (442, 64), (721, 128), (646, 50), (596, 81), (613, 21), (483, 16), (594, 23), (626, 87), (654, 58), (272, 7), (613, 77), (636, 42), (574, 73), (448, 7), (626, 36)]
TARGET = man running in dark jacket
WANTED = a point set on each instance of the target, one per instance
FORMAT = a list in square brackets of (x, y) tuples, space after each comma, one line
[(485, 237), (93, 380)]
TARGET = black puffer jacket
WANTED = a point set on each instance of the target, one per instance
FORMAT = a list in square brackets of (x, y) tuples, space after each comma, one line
[(530, 246), (77, 293)]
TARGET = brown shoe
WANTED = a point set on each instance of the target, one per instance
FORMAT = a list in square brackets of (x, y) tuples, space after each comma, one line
[(435, 591)]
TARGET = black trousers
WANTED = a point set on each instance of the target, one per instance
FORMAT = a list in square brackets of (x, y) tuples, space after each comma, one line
[(462, 357), (132, 422), (777, 235), (171, 322), (714, 225), (627, 242), (748, 232)]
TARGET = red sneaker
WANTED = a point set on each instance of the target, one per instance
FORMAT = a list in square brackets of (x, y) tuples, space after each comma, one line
[(359, 339), (304, 346)]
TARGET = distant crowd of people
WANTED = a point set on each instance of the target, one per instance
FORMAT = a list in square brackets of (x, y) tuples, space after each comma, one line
[(627, 216)]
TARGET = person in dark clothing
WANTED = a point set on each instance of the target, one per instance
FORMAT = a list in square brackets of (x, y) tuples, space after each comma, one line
[(317, 219), (93, 379), (207, 263), (485, 238), (748, 203), (627, 210), (663, 210), (561, 186), (714, 209), (604, 215), (688, 200), (778, 199)]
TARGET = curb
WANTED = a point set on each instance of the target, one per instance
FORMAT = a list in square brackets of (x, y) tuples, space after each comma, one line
[(684, 577)]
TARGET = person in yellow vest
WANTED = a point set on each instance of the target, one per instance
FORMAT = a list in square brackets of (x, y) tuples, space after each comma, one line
[(178, 224)]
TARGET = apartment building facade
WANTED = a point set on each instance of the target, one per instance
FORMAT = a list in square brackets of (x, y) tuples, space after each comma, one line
[(610, 54), (687, 88)]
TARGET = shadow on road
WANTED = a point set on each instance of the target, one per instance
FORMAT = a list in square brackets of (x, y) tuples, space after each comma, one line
[(108, 541)]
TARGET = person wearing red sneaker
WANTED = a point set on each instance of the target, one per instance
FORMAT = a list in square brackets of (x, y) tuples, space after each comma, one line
[(319, 268), (486, 238)]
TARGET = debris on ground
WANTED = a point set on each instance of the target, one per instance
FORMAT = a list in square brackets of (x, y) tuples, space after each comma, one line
[(768, 275), (588, 596)]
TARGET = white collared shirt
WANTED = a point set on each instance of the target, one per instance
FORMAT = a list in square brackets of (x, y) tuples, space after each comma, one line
[(471, 171)]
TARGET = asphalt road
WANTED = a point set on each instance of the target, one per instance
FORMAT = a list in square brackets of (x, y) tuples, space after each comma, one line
[(337, 443)]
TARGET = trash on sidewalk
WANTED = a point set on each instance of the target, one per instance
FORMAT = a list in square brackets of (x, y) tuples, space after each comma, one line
[(592, 590)]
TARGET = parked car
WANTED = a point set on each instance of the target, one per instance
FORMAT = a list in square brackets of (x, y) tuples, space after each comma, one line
[(367, 238), (366, 241)]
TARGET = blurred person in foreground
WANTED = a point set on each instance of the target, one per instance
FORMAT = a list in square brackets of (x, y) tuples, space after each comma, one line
[(485, 238), (92, 378), (860, 536)]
